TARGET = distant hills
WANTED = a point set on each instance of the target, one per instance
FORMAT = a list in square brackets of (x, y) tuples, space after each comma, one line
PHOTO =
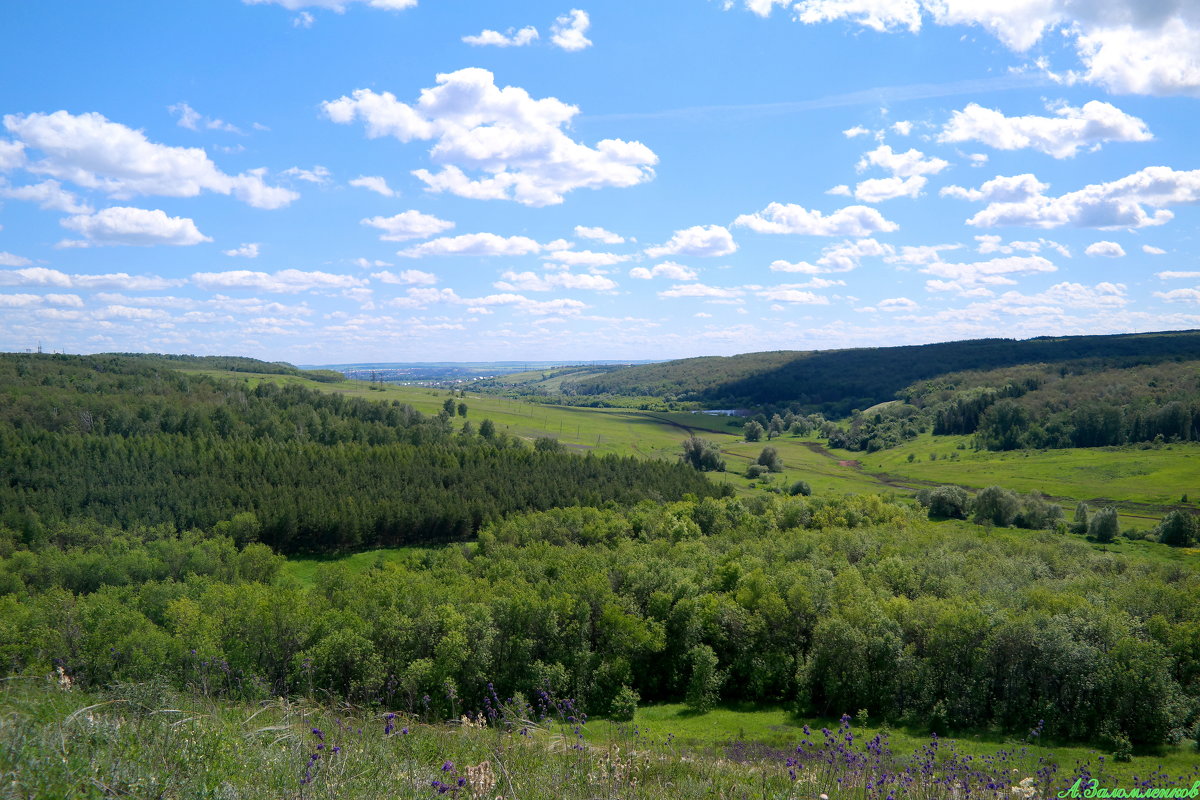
[(838, 381)]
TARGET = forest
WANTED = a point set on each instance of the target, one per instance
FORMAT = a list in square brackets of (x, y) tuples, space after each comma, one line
[(835, 382)]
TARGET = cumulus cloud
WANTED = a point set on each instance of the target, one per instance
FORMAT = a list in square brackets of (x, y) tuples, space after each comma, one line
[(876, 190), (848, 255), (792, 293), (408, 225), (568, 31), (1060, 136), (698, 240), (89, 150), (514, 143), (374, 183), (408, 277), (972, 278), (48, 194), (420, 298), (1127, 46), (10, 260), (791, 218), (489, 38), (288, 281), (1150, 249), (42, 276), (1180, 295), (920, 254), (1001, 189), (121, 225), (474, 244), (667, 269), (1122, 203), (12, 155), (599, 235), (318, 174), (1105, 249), (193, 120), (532, 282), (1174, 275), (856, 131), (901, 165), (247, 250), (584, 258), (702, 290)]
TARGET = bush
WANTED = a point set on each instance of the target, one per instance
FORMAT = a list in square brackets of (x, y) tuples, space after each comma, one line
[(997, 506), (946, 502), (1178, 529), (547, 444), (770, 459), (800, 487), (703, 454), (624, 704), (1104, 526), (756, 471)]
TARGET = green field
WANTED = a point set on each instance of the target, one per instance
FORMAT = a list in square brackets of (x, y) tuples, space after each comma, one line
[(1144, 483)]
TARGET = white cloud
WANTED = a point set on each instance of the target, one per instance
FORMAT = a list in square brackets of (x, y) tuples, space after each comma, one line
[(48, 194), (42, 276), (247, 250), (419, 298), (10, 260), (408, 225), (1002, 189), (374, 183), (286, 281), (1150, 249), (1127, 46), (897, 304), (800, 266), (1118, 204), (921, 254), (876, 190), (531, 282), (848, 255), (12, 155), (193, 120), (841, 189), (1105, 249), (525, 36), (701, 290), (90, 151), (517, 143), (878, 15), (791, 218), (856, 131), (568, 31), (121, 225), (964, 277), (901, 165), (790, 293), (1175, 275), (1180, 295), (408, 277), (667, 269), (318, 174), (599, 235), (699, 240), (336, 5), (303, 20), (1060, 136), (902, 128), (995, 244), (584, 258), (474, 244), (20, 300)]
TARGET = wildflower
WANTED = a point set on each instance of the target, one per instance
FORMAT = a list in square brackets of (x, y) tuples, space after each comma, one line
[(320, 734), (448, 766)]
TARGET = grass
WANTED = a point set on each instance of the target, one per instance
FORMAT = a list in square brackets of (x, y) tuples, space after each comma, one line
[(146, 740), (304, 570)]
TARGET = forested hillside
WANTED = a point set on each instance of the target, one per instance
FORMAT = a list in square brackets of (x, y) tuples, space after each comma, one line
[(838, 381), (123, 442)]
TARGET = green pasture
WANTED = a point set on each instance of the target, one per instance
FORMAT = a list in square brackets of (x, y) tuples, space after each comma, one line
[(779, 728)]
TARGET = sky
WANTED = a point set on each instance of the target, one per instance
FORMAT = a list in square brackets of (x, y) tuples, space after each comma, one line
[(331, 181)]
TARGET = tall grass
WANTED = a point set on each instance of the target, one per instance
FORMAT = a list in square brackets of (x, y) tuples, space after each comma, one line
[(145, 740)]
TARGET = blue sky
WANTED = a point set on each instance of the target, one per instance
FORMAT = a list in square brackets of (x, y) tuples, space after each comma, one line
[(326, 181)]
